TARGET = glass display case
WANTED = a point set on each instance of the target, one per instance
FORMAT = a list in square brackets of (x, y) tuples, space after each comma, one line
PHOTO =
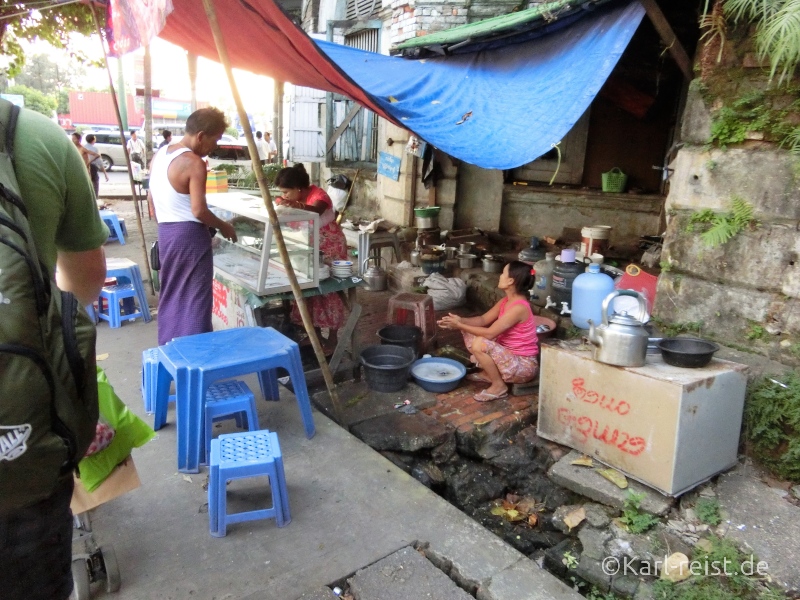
[(253, 260)]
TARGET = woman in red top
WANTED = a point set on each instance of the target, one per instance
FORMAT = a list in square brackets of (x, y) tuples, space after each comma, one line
[(503, 341), (327, 311)]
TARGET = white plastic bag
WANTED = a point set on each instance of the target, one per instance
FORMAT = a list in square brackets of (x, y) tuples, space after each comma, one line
[(446, 293), (337, 196)]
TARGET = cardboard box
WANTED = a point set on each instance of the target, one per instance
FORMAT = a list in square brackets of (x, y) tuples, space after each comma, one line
[(668, 427), (216, 182), (122, 480)]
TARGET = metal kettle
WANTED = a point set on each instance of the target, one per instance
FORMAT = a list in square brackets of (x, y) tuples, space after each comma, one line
[(374, 276), (622, 339), (415, 257)]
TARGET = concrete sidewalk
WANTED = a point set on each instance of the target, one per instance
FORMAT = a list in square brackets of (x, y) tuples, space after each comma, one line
[(350, 508)]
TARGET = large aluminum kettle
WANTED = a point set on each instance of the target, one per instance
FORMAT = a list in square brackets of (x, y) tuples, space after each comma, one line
[(374, 276), (621, 339)]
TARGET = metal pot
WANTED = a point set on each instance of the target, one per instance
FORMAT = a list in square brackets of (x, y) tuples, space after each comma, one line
[(450, 252), (427, 222), (466, 261), (465, 247), (374, 276), (621, 340), (492, 265)]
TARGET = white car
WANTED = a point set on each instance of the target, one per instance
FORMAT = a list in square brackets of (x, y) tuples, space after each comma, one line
[(231, 154)]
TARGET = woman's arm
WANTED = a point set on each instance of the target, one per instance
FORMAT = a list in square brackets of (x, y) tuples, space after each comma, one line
[(483, 320), (515, 315)]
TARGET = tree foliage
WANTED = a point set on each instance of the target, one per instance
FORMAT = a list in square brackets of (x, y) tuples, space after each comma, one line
[(42, 73), (53, 24), (777, 33), (35, 100)]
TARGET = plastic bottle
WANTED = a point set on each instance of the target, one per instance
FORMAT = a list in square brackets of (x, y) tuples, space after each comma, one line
[(564, 274), (588, 292), (543, 285)]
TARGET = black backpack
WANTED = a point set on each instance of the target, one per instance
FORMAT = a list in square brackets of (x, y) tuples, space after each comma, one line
[(48, 380)]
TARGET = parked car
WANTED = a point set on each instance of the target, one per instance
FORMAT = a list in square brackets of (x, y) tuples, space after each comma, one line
[(229, 155)]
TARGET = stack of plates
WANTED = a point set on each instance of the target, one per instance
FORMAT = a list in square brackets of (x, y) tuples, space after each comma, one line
[(324, 272), (342, 268)]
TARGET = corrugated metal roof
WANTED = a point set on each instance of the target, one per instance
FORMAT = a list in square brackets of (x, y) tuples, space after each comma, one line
[(505, 29)]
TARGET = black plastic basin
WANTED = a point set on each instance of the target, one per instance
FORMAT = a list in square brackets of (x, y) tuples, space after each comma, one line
[(386, 367)]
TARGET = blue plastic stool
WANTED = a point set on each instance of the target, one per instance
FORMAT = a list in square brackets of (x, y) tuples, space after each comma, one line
[(114, 225), (127, 271), (114, 294), (226, 399), (242, 455)]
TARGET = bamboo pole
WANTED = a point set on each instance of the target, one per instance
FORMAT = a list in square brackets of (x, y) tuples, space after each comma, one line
[(273, 217), (124, 148)]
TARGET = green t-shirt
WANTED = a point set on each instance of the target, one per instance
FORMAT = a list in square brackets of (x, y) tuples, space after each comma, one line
[(55, 185)]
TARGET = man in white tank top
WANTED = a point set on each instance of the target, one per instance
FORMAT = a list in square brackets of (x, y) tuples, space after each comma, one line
[(178, 197)]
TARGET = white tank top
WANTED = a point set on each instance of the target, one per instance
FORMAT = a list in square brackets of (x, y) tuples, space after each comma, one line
[(171, 206)]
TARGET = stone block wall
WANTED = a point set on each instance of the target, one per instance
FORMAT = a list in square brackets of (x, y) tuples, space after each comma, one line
[(746, 292)]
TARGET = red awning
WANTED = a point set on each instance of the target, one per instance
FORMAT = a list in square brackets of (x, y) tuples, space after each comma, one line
[(262, 39)]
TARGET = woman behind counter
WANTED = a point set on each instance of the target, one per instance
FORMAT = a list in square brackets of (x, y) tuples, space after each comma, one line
[(503, 341), (297, 192)]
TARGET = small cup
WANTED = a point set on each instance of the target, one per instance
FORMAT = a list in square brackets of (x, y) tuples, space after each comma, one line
[(597, 258)]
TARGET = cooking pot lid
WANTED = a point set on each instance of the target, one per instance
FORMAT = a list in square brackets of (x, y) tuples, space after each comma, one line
[(623, 318)]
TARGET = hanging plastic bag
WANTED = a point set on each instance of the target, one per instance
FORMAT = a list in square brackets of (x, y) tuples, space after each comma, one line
[(129, 432)]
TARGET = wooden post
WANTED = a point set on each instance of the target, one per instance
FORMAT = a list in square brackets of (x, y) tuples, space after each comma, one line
[(668, 37), (273, 217), (124, 149)]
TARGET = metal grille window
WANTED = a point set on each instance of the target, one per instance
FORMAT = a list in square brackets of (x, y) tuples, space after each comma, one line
[(357, 128)]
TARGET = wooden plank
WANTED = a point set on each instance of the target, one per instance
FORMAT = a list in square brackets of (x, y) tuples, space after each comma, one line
[(669, 38), (340, 129), (346, 338)]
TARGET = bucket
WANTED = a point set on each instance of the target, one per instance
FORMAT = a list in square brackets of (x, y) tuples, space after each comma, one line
[(594, 240), (408, 336), (386, 368)]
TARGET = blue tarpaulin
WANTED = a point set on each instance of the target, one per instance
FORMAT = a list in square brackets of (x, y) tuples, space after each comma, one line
[(501, 108)]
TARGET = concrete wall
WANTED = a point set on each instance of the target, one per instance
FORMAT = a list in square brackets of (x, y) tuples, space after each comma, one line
[(480, 198), (543, 212)]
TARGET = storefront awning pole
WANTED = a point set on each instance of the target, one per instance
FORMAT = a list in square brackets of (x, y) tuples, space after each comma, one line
[(115, 100), (273, 217)]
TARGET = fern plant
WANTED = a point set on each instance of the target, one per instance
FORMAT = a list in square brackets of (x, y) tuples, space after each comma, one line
[(720, 228)]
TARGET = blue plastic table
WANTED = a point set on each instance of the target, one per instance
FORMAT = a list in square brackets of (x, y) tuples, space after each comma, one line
[(197, 361)]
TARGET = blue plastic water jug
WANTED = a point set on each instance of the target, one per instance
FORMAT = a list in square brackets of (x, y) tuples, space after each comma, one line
[(588, 292)]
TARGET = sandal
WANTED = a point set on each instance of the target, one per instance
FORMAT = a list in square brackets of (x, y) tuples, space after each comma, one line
[(485, 396), (477, 377)]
